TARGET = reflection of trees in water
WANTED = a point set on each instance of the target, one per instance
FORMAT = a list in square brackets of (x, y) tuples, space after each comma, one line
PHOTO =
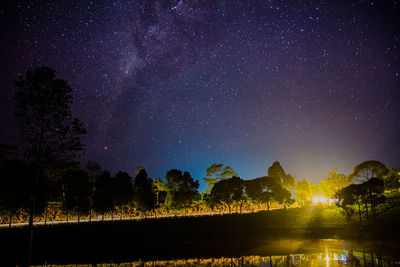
[(366, 257)]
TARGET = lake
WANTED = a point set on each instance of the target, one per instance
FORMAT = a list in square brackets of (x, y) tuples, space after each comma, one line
[(291, 252)]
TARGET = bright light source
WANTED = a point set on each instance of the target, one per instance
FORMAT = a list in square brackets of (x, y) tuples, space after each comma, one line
[(319, 200)]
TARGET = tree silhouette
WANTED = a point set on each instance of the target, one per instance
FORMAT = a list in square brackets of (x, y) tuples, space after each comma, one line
[(43, 110), (369, 194), (216, 173), (103, 194), (76, 192), (184, 189), (48, 131), (143, 191), (227, 191), (367, 170), (122, 190), (276, 171), (265, 189)]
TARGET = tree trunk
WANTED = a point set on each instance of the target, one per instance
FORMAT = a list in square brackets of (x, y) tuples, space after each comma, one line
[(241, 204), (9, 225), (45, 216), (33, 206), (67, 216), (90, 215), (359, 211), (102, 216), (267, 205), (78, 217)]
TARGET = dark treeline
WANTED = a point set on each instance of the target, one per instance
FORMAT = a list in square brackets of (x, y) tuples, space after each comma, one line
[(86, 191)]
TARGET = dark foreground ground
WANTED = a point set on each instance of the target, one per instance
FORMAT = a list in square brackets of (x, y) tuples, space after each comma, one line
[(190, 237)]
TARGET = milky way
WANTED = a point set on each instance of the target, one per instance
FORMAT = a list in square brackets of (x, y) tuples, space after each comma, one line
[(184, 84)]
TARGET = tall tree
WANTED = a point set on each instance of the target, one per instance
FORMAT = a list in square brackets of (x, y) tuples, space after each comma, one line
[(187, 190), (158, 187), (212, 174), (43, 109), (48, 131), (217, 172), (277, 172), (367, 170), (173, 178), (143, 191)]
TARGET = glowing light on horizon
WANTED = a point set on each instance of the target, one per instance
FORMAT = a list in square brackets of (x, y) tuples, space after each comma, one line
[(317, 200), (323, 200)]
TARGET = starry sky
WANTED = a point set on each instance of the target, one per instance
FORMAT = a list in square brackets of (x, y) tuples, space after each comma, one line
[(183, 84)]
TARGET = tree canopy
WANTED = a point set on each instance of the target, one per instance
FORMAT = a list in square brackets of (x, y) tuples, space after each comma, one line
[(367, 170), (216, 173), (276, 171), (43, 110)]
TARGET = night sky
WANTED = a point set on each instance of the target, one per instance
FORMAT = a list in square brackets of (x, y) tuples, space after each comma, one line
[(184, 84)]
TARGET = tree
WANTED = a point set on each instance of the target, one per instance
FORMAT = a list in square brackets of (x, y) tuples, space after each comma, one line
[(333, 183), (76, 191), (260, 189), (93, 170), (276, 171), (367, 170), (303, 191), (227, 173), (43, 109), (265, 189), (173, 178), (187, 191), (181, 188), (227, 191), (367, 193), (143, 191), (392, 179), (212, 174), (48, 131), (103, 193), (216, 173), (158, 187), (122, 190)]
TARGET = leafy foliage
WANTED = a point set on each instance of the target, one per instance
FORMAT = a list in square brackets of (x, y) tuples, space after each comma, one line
[(216, 173), (367, 170), (48, 130), (333, 183)]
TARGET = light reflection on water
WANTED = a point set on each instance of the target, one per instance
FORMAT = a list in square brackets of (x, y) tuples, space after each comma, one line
[(289, 252)]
